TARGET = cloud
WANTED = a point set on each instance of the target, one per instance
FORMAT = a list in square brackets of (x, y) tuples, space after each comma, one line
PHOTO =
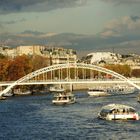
[(12, 21), (4, 23), (119, 2), (11, 6), (127, 47), (135, 18), (81, 43), (35, 34), (1, 26), (122, 26), (130, 43), (122, 34), (110, 33)]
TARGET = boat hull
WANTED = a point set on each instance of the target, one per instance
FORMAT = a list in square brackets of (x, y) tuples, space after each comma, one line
[(97, 93), (121, 117), (23, 93), (62, 102), (118, 112)]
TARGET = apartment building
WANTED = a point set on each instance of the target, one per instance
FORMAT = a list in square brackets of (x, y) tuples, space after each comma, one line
[(57, 55), (30, 50)]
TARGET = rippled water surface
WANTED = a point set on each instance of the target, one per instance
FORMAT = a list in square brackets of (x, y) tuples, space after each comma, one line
[(36, 118)]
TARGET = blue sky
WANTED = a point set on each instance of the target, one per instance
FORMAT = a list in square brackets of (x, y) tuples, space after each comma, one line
[(105, 19)]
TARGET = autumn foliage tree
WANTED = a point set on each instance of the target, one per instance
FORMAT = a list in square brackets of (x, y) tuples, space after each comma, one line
[(13, 69), (121, 69), (136, 73), (39, 62), (4, 66), (19, 67)]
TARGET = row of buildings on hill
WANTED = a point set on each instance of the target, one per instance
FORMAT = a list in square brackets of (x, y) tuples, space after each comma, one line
[(101, 58), (59, 55)]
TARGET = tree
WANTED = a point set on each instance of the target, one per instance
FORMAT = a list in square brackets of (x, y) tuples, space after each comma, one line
[(39, 62), (19, 67), (135, 73), (2, 56), (121, 69), (4, 66)]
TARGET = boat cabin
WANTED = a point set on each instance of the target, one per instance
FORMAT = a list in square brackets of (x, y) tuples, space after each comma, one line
[(118, 112), (63, 98)]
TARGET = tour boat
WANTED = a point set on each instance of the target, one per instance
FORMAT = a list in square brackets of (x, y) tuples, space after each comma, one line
[(97, 92), (56, 89), (120, 89), (62, 98), (118, 112)]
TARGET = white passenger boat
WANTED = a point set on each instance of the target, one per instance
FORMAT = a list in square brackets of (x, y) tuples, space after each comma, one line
[(120, 89), (8, 94), (97, 92), (62, 98), (56, 89), (118, 112), (19, 92)]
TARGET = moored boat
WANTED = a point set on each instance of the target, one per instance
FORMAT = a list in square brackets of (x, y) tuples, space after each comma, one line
[(19, 92), (56, 89), (8, 94), (97, 92), (62, 98), (118, 112), (120, 89)]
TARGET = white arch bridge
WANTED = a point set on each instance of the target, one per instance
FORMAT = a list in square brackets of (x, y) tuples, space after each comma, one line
[(67, 74)]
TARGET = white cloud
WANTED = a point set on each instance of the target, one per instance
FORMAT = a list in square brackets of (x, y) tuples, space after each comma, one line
[(119, 2), (134, 43), (122, 26), (109, 33)]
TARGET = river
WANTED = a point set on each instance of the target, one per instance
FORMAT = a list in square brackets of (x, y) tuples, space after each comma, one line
[(36, 118)]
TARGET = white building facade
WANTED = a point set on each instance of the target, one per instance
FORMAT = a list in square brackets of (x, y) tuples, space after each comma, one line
[(102, 57)]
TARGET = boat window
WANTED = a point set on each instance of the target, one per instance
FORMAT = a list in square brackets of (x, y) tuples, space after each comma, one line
[(131, 110), (104, 112), (55, 98)]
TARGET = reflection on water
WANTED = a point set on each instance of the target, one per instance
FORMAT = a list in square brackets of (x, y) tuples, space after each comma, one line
[(36, 118)]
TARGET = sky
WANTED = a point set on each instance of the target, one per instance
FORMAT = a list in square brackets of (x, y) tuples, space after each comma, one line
[(91, 24)]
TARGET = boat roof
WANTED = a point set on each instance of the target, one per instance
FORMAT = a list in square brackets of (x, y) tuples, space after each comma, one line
[(117, 106)]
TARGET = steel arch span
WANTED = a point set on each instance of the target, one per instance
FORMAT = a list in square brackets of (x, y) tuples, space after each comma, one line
[(66, 66)]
